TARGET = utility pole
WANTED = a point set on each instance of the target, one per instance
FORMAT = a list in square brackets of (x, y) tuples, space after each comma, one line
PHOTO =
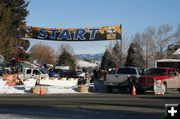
[(146, 53), (121, 45)]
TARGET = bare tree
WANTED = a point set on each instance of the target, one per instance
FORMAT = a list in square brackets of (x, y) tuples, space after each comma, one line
[(161, 38), (44, 54), (177, 34), (148, 44), (155, 41)]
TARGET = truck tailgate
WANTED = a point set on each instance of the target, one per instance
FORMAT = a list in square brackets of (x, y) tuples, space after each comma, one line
[(116, 78)]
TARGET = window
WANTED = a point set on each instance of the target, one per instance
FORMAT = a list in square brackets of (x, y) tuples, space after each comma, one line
[(172, 72), (113, 71), (36, 72), (29, 71), (156, 71), (43, 71), (126, 71), (140, 72)]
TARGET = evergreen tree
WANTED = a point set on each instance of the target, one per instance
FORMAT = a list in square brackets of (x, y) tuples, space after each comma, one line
[(12, 22), (107, 61), (66, 59), (135, 56)]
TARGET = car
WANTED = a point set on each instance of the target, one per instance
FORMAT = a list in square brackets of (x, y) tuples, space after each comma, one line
[(4, 71), (61, 73), (27, 73), (122, 78), (168, 77)]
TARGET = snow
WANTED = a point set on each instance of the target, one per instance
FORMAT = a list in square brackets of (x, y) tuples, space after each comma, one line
[(23, 89), (2, 83), (30, 83), (54, 89), (63, 83), (82, 63), (10, 89)]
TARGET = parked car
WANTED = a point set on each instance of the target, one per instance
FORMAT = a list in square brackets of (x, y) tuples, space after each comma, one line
[(27, 73), (4, 71), (81, 77), (168, 76), (122, 78), (61, 73)]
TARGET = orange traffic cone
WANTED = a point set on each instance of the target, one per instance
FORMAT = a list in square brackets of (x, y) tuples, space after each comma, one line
[(41, 93), (134, 91)]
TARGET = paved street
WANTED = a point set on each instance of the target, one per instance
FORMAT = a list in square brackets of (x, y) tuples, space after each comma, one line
[(80, 106)]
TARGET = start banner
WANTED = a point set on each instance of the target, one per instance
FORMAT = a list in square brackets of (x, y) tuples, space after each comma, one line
[(75, 34)]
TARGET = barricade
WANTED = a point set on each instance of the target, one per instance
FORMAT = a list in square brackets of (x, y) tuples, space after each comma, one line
[(10, 78)]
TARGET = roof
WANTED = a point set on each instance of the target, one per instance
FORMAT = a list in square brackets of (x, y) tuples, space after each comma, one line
[(168, 60)]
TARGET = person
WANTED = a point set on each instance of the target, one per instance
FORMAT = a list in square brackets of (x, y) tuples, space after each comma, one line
[(98, 80), (105, 74), (95, 78), (52, 73), (101, 74), (95, 75)]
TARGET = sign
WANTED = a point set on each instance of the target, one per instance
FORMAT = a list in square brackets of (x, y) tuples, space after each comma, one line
[(172, 111), (159, 88), (74, 34)]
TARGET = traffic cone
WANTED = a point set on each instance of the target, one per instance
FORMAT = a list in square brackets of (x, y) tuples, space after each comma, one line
[(134, 91), (41, 93)]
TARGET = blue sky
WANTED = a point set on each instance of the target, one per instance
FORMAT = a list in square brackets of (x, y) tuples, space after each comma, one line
[(134, 15)]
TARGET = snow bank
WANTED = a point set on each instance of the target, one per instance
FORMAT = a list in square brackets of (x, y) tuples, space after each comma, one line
[(60, 83), (2, 83), (54, 89), (23, 90), (63, 87), (29, 83), (10, 89)]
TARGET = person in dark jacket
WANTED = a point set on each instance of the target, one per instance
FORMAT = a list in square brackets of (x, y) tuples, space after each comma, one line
[(98, 80)]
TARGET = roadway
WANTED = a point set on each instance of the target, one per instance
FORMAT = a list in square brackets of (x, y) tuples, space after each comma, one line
[(80, 106)]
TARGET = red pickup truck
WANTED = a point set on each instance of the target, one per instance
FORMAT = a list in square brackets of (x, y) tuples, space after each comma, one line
[(169, 78)]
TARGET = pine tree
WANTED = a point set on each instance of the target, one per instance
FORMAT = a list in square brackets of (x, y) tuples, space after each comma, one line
[(107, 61), (66, 59), (135, 56), (12, 22)]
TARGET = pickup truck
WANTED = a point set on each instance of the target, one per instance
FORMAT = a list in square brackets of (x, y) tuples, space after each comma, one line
[(169, 78), (36, 73), (121, 78)]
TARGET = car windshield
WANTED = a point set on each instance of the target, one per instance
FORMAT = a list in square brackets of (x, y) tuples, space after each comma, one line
[(126, 71), (79, 72), (156, 71)]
